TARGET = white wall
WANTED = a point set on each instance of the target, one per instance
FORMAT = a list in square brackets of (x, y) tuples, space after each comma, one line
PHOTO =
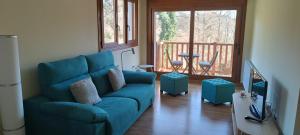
[(274, 49), (51, 30), (248, 33), (143, 30), (48, 30)]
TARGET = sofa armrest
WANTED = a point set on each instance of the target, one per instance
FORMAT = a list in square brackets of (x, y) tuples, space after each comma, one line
[(139, 77), (74, 111)]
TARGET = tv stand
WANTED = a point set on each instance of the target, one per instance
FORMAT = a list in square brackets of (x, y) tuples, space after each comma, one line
[(241, 126)]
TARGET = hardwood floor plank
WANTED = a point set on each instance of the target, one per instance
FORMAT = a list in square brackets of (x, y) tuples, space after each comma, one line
[(184, 115)]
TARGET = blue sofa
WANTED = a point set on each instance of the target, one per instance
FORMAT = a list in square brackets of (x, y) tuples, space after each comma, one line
[(55, 112)]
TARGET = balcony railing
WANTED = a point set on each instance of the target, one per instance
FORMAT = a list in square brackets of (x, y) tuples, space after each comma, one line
[(222, 66)]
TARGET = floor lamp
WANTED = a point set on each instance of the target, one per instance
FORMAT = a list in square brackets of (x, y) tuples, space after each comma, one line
[(11, 101), (129, 50)]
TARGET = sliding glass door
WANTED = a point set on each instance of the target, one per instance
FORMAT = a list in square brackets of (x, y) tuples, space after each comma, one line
[(202, 39)]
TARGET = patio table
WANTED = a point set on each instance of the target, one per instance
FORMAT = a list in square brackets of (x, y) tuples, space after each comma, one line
[(186, 56)]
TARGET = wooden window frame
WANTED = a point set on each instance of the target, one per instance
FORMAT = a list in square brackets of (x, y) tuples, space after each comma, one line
[(115, 45)]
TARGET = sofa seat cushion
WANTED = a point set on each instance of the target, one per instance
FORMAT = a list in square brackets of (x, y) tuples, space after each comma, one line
[(142, 93), (121, 113)]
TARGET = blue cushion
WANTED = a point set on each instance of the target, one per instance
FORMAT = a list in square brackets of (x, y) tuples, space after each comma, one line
[(101, 81), (139, 77), (59, 71), (61, 91), (100, 60), (142, 93), (121, 113), (74, 111)]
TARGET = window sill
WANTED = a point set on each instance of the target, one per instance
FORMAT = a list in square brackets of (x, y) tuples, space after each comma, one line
[(116, 47)]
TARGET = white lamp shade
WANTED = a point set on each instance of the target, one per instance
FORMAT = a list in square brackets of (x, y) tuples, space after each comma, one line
[(9, 60)]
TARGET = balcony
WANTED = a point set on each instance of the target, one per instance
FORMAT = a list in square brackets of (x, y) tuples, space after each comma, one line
[(222, 66)]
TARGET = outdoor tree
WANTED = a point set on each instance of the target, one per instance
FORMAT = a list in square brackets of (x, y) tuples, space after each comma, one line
[(168, 26)]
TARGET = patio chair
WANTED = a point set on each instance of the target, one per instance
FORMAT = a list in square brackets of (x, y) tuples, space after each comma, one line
[(176, 65), (206, 65)]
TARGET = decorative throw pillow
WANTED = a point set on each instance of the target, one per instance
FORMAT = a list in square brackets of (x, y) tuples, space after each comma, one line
[(85, 92), (116, 78)]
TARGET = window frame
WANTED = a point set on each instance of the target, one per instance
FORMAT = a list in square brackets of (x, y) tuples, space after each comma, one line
[(100, 22)]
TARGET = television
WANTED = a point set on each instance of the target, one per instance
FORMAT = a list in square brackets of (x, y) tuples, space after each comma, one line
[(258, 90)]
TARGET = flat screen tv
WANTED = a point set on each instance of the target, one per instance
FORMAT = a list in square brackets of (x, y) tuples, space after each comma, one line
[(258, 90)]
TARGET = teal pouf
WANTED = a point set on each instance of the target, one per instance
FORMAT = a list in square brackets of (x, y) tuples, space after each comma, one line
[(174, 83), (217, 90)]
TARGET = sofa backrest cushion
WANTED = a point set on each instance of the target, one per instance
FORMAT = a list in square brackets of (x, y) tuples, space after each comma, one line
[(99, 65), (101, 60), (101, 81), (57, 75), (62, 91)]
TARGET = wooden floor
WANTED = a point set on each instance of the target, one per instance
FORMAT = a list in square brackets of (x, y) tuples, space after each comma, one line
[(183, 115)]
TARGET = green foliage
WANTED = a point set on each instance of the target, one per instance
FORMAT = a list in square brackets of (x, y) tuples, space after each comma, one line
[(168, 26)]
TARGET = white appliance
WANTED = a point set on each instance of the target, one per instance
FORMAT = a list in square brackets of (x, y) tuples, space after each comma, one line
[(11, 101)]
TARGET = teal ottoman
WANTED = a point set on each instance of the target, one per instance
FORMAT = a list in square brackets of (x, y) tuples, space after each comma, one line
[(217, 90), (174, 83)]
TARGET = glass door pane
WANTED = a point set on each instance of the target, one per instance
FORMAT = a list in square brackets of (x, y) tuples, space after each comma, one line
[(214, 38), (171, 40)]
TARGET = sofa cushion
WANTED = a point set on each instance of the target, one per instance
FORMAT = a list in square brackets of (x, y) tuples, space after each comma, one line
[(85, 92), (142, 93), (139, 77), (74, 111), (121, 113), (59, 71), (100, 61), (101, 81), (116, 78), (61, 91)]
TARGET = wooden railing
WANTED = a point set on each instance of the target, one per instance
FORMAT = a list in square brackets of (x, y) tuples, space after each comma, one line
[(222, 66)]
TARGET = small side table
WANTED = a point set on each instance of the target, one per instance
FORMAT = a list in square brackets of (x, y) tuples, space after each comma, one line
[(145, 67)]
